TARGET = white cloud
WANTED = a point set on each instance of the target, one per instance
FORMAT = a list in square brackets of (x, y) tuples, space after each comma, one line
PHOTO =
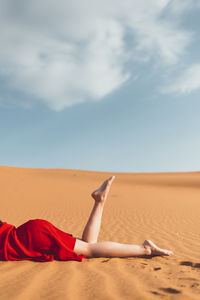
[(181, 6), (67, 52), (187, 82)]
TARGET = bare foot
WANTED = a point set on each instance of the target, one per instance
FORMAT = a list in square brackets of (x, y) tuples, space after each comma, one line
[(101, 193), (155, 250)]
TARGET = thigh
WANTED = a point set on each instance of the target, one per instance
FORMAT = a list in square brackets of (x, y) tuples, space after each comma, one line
[(82, 247)]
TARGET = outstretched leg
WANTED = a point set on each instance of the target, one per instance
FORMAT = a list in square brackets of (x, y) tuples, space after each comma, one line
[(112, 249), (91, 230)]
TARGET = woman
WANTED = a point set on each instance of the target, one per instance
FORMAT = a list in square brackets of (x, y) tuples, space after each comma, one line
[(40, 240)]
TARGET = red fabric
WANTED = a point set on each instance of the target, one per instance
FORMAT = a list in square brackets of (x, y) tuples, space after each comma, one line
[(37, 240)]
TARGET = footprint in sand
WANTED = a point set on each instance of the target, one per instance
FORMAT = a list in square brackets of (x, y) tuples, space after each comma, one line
[(186, 263), (156, 293), (190, 264), (157, 269), (170, 290), (194, 285)]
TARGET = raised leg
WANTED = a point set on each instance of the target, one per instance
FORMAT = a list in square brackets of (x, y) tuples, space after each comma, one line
[(91, 230)]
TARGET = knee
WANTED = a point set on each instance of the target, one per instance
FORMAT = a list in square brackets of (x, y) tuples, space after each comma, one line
[(90, 250), (82, 247)]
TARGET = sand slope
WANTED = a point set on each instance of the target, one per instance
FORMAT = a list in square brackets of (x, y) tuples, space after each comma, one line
[(162, 207)]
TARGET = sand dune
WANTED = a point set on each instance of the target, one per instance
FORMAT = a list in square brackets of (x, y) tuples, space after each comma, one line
[(163, 207)]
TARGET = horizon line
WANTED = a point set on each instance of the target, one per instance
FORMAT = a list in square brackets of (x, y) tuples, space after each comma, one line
[(97, 171)]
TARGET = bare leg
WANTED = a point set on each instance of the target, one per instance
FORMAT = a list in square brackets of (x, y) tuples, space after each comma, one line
[(91, 230), (112, 249), (89, 246)]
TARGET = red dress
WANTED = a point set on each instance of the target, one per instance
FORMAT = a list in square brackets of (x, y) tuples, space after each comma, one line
[(37, 240)]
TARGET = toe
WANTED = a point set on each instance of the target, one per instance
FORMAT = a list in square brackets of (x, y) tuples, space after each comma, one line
[(111, 178), (167, 252)]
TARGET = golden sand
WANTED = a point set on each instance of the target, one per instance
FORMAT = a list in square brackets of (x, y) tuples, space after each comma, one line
[(163, 207)]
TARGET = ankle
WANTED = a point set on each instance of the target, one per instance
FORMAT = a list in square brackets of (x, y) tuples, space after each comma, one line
[(99, 204), (147, 250)]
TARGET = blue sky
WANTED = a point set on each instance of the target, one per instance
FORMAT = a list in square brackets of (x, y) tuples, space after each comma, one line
[(100, 85)]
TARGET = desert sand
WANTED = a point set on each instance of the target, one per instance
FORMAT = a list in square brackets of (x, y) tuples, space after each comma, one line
[(162, 207)]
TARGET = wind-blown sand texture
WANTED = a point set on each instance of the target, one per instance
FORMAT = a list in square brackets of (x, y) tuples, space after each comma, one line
[(163, 207)]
